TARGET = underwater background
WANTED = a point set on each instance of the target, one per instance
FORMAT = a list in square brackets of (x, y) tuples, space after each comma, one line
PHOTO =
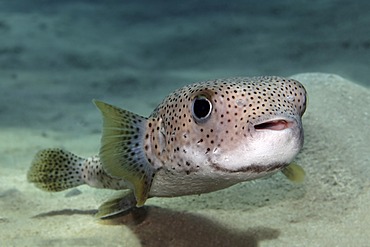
[(56, 56)]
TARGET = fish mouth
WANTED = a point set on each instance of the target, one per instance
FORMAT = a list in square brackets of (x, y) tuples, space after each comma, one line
[(254, 168), (275, 125)]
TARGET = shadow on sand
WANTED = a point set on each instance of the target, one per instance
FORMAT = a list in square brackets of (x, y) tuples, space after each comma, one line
[(156, 227), (160, 227)]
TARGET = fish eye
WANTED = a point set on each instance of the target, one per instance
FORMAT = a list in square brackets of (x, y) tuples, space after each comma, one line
[(201, 108)]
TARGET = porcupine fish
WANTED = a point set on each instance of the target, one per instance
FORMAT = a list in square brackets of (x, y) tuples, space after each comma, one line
[(203, 137)]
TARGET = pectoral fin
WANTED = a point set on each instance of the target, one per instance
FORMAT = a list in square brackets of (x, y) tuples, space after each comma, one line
[(294, 172)]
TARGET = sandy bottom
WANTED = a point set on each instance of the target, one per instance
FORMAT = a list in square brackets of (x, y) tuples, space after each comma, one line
[(331, 208)]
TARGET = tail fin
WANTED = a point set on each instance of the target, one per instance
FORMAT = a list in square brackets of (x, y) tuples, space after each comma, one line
[(55, 170)]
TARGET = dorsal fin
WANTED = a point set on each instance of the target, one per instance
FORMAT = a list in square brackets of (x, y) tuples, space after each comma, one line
[(121, 150)]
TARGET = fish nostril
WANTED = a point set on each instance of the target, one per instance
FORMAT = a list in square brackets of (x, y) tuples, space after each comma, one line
[(274, 125)]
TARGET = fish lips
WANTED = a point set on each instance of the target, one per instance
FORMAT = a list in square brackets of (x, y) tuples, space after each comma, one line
[(276, 124)]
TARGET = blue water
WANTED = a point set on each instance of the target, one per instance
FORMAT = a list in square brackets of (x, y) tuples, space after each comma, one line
[(214, 37)]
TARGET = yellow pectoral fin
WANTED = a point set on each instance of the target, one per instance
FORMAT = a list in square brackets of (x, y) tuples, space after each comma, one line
[(294, 172), (122, 153)]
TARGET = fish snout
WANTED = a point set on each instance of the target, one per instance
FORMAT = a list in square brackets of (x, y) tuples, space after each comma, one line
[(282, 131)]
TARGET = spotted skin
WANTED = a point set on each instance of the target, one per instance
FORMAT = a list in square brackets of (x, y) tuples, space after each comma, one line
[(202, 137)]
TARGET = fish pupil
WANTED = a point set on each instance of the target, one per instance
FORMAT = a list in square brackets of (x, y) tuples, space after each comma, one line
[(202, 108)]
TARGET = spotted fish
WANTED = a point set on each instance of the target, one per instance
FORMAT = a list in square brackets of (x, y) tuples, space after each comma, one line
[(203, 137)]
